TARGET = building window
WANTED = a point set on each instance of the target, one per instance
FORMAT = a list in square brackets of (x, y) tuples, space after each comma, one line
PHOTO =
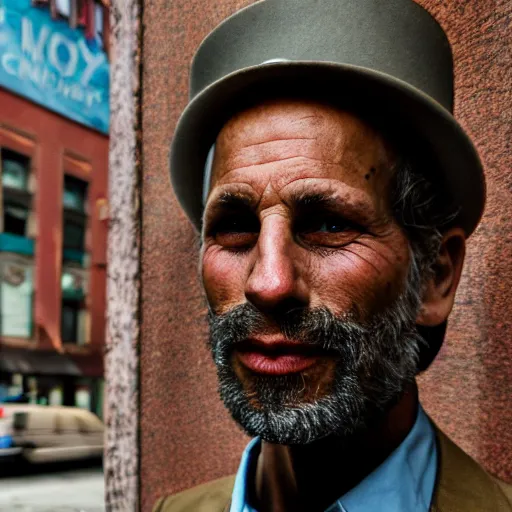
[(15, 170), (75, 194), (16, 196), (70, 312), (74, 313), (16, 296), (74, 323), (75, 214)]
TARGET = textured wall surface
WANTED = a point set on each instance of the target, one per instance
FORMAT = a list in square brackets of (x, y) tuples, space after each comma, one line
[(186, 436), (468, 389), (123, 284)]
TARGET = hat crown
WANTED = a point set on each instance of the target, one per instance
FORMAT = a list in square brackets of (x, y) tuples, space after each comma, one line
[(395, 37)]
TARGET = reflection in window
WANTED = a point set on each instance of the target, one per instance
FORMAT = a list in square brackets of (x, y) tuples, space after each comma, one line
[(74, 313), (72, 283), (75, 193), (15, 219), (16, 196), (75, 216), (15, 170), (16, 292), (74, 235)]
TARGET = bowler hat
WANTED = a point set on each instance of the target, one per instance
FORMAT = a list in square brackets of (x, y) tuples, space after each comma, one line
[(389, 58)]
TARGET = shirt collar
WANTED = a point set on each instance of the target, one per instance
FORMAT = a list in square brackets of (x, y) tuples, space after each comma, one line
[(247, 466), (403, 482)]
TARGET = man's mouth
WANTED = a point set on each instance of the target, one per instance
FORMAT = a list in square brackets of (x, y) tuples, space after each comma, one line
[(277, 357)]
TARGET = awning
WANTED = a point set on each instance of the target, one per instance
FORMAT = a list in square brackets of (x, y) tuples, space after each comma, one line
[(90, 364), (36, 362)]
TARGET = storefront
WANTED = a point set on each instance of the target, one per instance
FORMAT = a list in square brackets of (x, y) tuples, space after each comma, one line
[(50, 378)]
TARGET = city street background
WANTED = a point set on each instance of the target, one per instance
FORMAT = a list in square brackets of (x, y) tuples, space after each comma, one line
[(53, 488), (54, 217)]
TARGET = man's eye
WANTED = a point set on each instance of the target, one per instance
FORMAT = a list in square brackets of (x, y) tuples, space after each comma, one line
[(330, 231), (331, 226), (236, 231), (323, 225), (236, 224)]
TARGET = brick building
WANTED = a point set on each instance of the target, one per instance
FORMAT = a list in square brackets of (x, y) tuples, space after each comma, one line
[(54, 213)]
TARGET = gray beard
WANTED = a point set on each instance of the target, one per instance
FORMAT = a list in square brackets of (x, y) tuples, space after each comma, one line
[(376, 362)]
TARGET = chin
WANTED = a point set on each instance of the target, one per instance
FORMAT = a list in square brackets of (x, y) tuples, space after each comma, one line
[(295, 409)]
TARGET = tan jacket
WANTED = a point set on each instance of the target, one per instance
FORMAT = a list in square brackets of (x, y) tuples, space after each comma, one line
[(462, 486)]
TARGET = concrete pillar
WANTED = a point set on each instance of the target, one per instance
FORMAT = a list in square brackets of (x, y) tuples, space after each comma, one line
[(123, 276)]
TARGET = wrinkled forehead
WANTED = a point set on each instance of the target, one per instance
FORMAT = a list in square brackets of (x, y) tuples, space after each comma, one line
[(273, 119), (288, 128)]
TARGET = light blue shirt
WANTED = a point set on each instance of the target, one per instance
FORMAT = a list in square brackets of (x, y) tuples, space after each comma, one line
[(404, 482)]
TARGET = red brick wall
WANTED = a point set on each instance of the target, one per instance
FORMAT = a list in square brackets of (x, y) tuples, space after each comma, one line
[(469, 387), (186, 436), (53, 137)]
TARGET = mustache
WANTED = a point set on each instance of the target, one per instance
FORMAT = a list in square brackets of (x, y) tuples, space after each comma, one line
[(317, 327)]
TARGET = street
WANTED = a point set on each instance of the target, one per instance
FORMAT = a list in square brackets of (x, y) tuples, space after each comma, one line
[(55, 488)]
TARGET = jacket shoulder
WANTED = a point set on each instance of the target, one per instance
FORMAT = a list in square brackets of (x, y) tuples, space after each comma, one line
[(210, 497), (506, 488), (464, 486)]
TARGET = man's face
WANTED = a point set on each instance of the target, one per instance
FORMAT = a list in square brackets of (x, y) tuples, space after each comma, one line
[(306, 273)]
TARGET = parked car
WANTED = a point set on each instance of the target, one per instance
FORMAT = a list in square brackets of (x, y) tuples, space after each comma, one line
[(41, 433), (7, 448)]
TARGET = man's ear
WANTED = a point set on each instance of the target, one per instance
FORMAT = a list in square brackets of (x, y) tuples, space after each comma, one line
[(440, 288)]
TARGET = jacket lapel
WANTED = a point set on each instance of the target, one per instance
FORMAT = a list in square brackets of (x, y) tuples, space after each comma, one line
[(462, 485)]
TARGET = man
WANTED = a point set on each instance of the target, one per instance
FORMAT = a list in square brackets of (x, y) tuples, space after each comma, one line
[(334, 193)]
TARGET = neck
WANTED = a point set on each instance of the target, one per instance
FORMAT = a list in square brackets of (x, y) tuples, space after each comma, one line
[(311, 477)]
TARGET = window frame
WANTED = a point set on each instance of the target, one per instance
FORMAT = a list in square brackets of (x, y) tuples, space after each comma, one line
[(25, 145), (79, 168), (78, 305), (23, 261)]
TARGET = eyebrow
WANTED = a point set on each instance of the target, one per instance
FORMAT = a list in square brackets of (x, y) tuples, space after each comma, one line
[(306, 200), (234, 200), (300, 201), (228, 201)]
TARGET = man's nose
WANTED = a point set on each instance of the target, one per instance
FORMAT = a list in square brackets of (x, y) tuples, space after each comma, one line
[(275, 281)]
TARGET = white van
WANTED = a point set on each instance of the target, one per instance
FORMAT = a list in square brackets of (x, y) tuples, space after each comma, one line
[(49, 434)]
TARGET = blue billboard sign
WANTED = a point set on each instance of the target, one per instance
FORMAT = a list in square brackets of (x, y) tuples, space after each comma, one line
[(53, 64)]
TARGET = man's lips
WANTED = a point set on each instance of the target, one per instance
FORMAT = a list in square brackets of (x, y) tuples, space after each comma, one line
[(277, 357)]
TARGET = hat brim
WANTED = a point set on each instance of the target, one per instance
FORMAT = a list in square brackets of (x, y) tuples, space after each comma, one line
[(359, 88)]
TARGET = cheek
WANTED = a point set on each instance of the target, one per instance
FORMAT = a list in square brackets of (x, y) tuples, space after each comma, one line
[(363, 278), (223, 275)]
